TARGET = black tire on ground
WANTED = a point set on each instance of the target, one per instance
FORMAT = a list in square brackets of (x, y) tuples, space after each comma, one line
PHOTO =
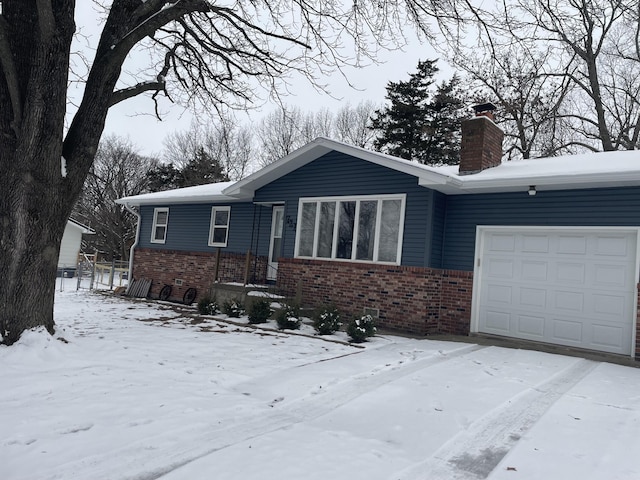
[(189, 296), (165, 292)]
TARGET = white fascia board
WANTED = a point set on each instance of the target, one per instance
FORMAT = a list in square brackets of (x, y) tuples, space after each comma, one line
[(176, 199), (277, 169), (556, 182), (210, 193)]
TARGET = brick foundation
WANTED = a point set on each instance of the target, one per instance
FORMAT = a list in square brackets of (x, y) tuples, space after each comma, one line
[(410, 299), (195, 269)]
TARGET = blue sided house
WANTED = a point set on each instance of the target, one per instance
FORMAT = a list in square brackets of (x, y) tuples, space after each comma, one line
[(544, 250)]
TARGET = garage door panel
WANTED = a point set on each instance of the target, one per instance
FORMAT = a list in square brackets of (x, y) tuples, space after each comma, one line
[(502, 242), (498, 322), (571, 244), (608, 276), (500, 268), (570, 331), (535, 244), (611, 337), (611, 246), (500, 294), (532, 297), (531, 327), (574, 287), (571, 272), (610, 305), (531, 270), (569, 301)]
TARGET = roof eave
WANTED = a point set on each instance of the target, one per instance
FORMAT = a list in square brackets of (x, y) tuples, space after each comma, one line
[(470, 185)]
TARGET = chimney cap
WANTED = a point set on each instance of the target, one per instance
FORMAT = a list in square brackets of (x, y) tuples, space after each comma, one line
[(484, 107)]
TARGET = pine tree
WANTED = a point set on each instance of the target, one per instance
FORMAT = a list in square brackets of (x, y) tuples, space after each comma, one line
[(421, 124)]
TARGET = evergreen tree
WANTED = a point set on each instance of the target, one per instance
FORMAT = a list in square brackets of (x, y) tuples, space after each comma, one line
[(421, 124), (200, 169), (203, 168)]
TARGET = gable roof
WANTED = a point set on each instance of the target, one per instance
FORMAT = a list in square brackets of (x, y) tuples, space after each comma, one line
[(591, 170), (316, 149)]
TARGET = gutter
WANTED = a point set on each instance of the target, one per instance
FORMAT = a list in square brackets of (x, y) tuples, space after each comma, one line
[(135, 243)]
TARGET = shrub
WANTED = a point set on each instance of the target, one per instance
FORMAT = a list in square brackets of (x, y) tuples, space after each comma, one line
[(208, 306), (289, 318), (360, 328), (327, 320), (260, 311), (233, 308)]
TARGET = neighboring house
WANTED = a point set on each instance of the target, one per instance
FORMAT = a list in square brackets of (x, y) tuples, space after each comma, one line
[(543, 250), (70, 247)]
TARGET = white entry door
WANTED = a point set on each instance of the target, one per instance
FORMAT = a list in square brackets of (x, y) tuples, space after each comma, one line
[(275, 245), (567, 286)]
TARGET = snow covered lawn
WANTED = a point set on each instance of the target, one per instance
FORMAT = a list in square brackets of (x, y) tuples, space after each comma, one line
[(137, 391)]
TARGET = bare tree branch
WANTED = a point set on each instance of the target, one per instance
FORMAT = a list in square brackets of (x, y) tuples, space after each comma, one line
[(127, 93)]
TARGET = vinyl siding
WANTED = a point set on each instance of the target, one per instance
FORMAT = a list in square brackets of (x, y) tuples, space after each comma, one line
[(593, 207), (188, 228), (337, 174), (437, 242)]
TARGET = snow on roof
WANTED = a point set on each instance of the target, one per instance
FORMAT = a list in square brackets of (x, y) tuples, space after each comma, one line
[(83, 228), (211, 192), (590, 170)]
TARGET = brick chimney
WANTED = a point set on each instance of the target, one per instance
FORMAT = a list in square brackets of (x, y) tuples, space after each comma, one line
[(481, 141)]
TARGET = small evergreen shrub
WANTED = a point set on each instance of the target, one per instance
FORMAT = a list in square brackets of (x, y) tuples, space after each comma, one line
[(360, 328), (327, 320), (289, 318), (260, 311), (208, 306), (233, 308)]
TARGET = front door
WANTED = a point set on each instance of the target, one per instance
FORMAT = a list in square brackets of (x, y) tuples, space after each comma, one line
[(275, 246)]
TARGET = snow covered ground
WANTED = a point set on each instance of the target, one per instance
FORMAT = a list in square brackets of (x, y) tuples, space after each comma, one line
[(138, 391)]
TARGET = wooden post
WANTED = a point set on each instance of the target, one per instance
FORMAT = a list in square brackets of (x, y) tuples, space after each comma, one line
[(217, 272), (247, 267)]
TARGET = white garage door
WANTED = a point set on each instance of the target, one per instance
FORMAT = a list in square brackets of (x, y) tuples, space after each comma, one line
[(574, 287)]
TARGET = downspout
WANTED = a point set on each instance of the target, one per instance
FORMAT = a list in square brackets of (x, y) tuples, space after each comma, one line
[(135, 243)]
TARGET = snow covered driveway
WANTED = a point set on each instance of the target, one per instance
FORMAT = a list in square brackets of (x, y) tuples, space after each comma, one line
[(140, 392)]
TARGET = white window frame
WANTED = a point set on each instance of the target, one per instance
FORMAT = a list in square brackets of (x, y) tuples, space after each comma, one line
[(156, 211), (357, 199), (212, 225)]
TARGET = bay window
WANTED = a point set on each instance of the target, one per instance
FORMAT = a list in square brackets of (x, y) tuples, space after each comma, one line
[(366, 229)]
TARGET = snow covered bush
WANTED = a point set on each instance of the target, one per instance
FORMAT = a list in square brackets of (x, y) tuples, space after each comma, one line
[(289, 318), (233, 308), (360, 328), (260, 311), (326, 320), (208, 306)]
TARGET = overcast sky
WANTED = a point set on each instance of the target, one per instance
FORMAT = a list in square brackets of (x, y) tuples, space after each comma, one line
[(136, 119)]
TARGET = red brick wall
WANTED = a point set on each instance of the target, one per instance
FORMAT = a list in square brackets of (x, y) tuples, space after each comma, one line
[(481, 145), (411, 299), (196, 269)]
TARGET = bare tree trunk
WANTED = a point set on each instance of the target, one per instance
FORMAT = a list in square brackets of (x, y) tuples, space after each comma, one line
[(33, 208)]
